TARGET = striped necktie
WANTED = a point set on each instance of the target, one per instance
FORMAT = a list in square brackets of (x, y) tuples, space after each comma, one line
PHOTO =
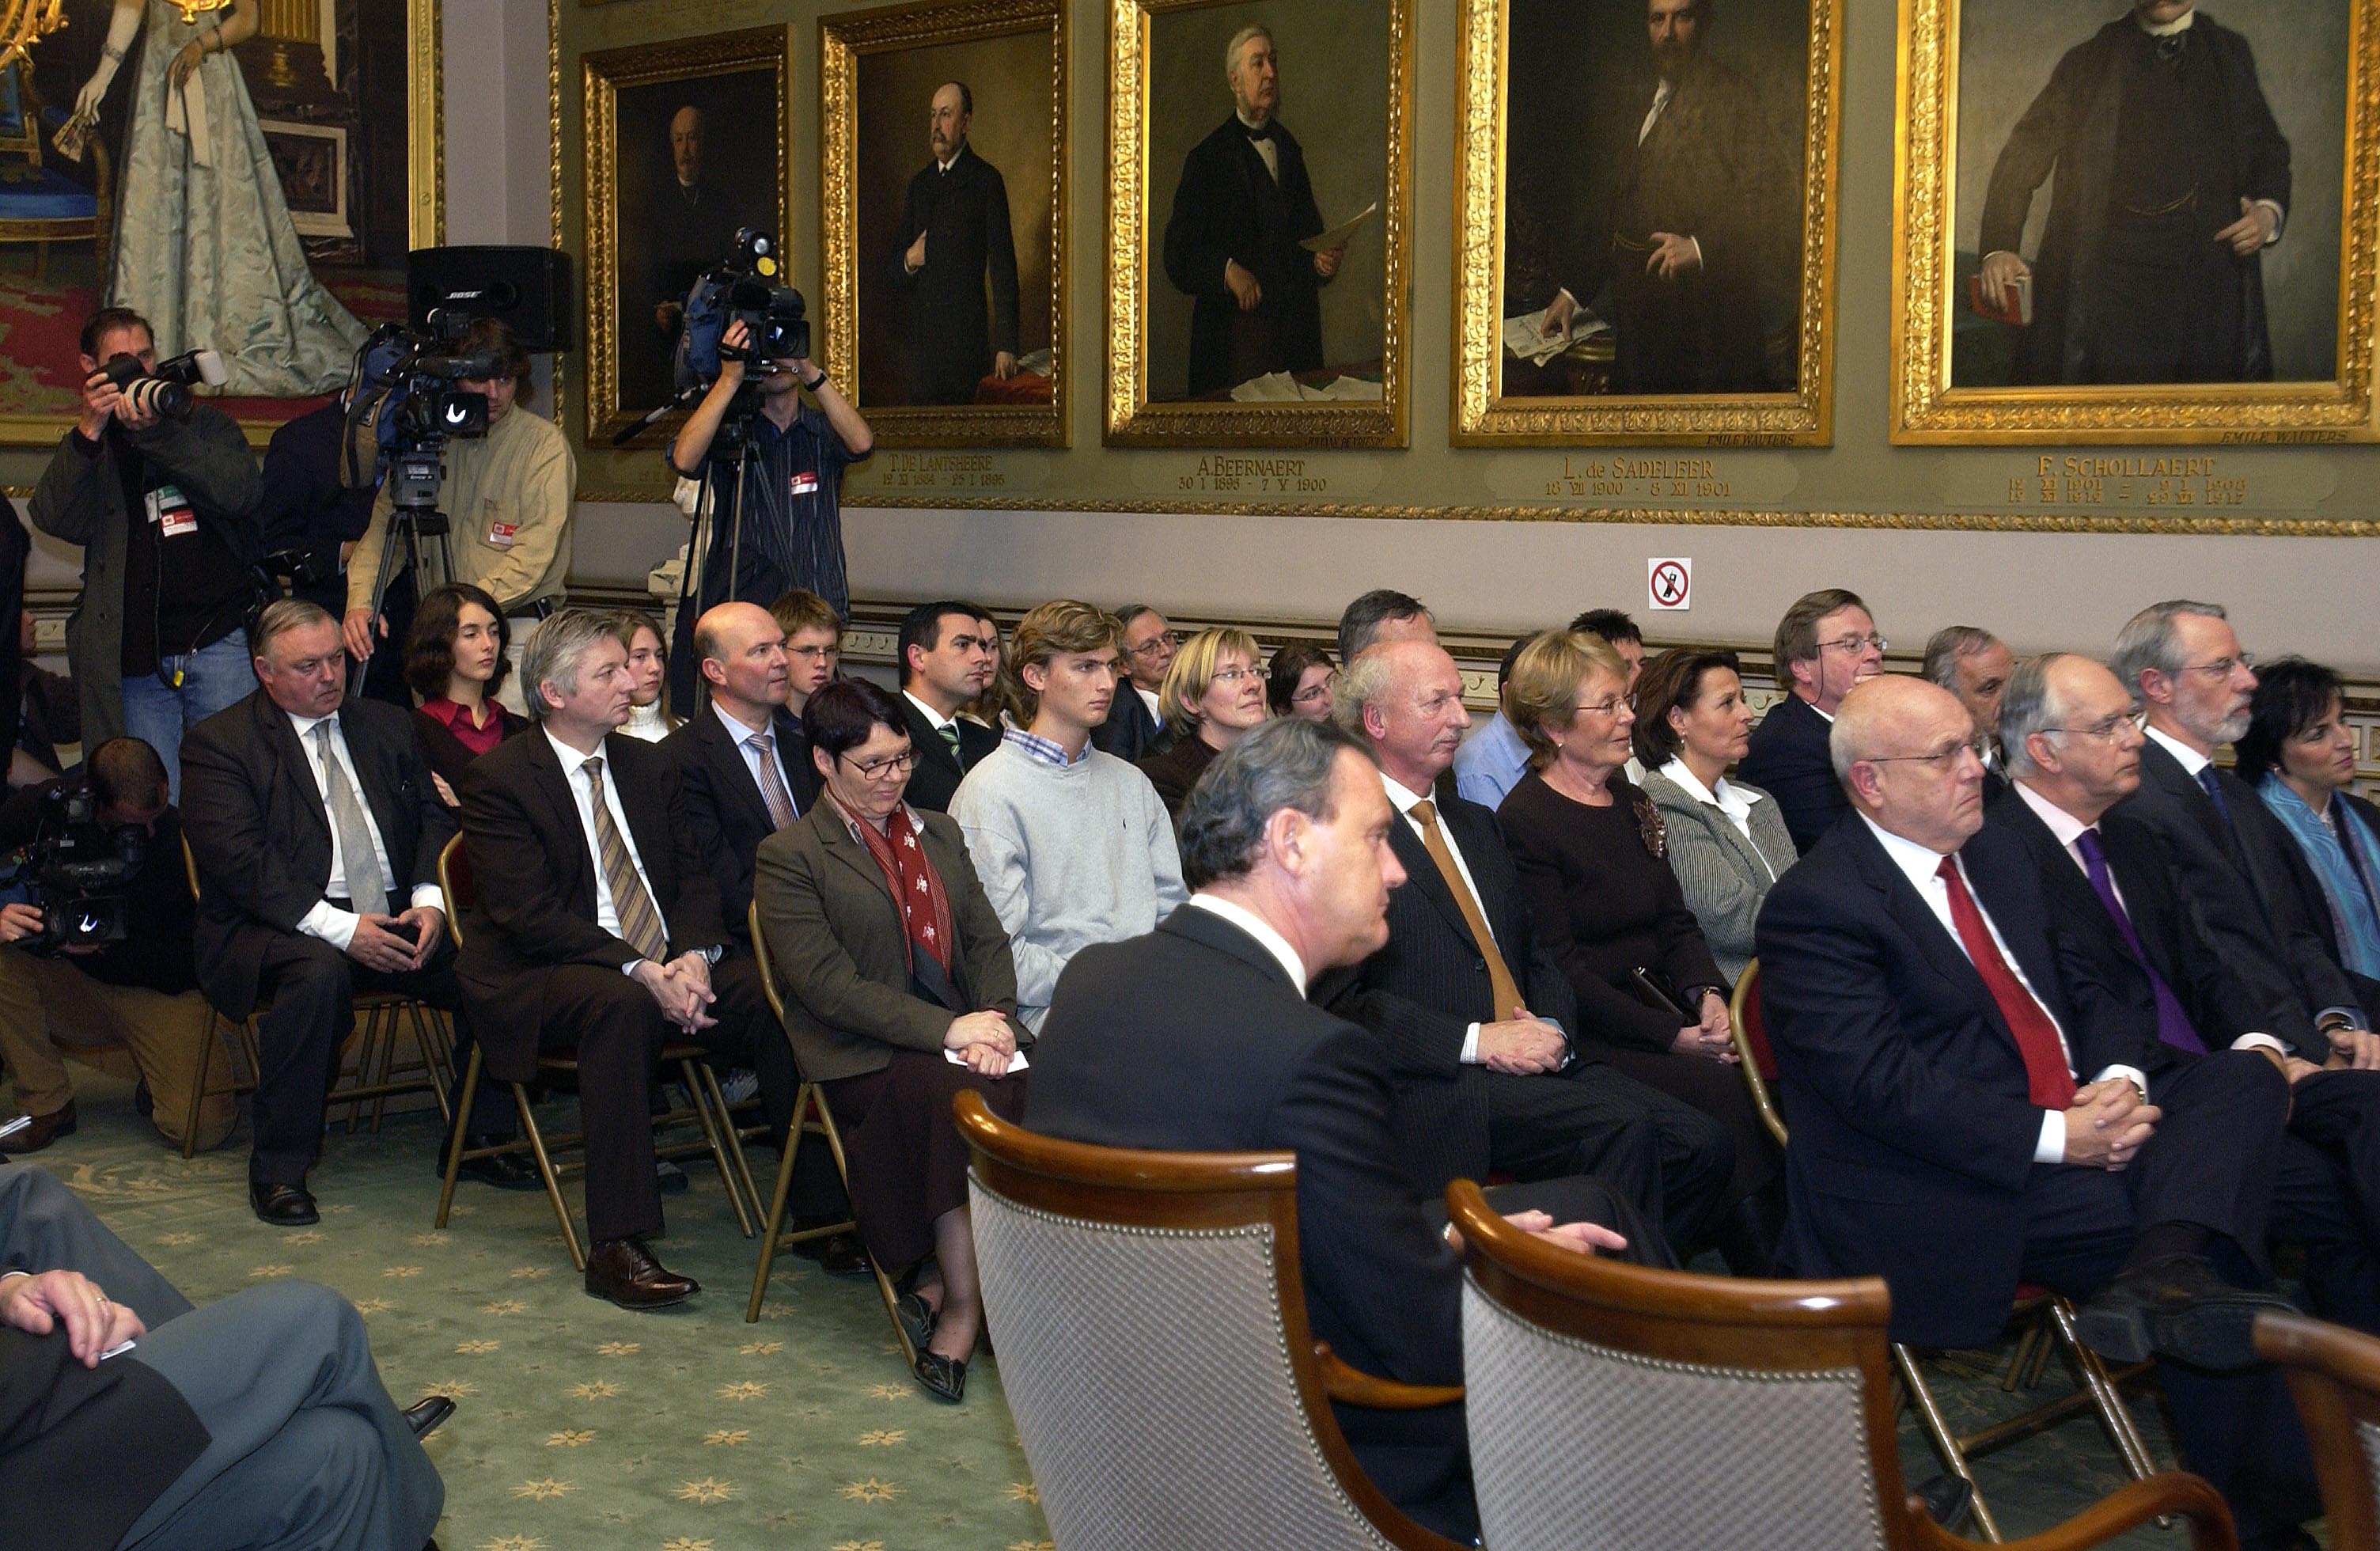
[(367, 890), (640, 921), (773, 782)]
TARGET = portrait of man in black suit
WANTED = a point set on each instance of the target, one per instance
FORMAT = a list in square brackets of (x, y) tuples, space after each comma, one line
[(956, 263)]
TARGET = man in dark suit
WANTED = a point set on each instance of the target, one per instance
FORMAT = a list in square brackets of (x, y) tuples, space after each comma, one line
[(955, 240), (1692, 236), (1826, 643), (1241, 213), (259, 1419), (949, 652), (2074, 751), (316, 832), (2182, 660), (1199, 1036), (1136, 727), (689, 230), (2172, 180), (1475, 1015), (597, 929), (1968, 1113)]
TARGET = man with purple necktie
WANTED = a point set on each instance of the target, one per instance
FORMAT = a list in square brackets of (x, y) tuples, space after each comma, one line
[(2073, 748)]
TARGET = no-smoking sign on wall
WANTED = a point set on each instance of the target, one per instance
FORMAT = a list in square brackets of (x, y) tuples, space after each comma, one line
[(1669, 584)]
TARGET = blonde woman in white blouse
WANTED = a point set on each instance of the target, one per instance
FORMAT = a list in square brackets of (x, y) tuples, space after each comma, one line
[(1728, 841)]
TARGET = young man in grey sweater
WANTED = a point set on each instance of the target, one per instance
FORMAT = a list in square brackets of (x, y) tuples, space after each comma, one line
[(1072, 845)]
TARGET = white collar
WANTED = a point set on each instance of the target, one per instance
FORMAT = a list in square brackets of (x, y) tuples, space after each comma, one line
[(933, 718), (2178, 25), (946, 166), (572, 760), (2062, 824), (1398, 795), (1259, 928), (305, 724), (1919, 862), (1730, 798), (736, 731), (2191, 761)]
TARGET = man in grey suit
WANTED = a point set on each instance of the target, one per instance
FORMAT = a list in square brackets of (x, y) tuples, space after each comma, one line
[(129, 1419)]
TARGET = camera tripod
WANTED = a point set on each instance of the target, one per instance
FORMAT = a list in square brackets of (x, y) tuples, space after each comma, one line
[(695, 586), (413, 481)]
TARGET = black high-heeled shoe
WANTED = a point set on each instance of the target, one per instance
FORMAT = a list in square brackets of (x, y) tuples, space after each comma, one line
[(916, 1317), (942, 1377)]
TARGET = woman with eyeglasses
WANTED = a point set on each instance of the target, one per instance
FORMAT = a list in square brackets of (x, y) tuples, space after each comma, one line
[(1592, 852), (1213, 692), (1299, 680), (2298, 754), (1728, 843), (900, 994)]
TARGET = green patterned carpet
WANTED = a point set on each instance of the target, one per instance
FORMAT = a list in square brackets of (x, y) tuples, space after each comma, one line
[(583, 1425)]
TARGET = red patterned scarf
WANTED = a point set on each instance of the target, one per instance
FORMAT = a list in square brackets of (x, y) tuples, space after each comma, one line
[(900, 852)]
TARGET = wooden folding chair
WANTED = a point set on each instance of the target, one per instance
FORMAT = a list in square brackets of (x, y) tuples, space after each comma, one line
[(2335, 1374), (707, 1111), (2048, 1322)]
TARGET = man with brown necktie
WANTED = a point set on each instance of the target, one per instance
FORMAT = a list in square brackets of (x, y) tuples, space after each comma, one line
[(1474, 1015), (596, 928)]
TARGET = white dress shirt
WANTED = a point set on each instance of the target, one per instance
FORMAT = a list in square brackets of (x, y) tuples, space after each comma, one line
[(1261, 929), (742, 736), (1404, 802), (1155, 707), (934, 718), (1730, 800), (1918, 864), (1265, 147), (325, 920), (2066, 827), (607, 915), (2191, 761)]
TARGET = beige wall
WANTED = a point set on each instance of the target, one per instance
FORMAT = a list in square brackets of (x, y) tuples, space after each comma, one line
[(2038, 589)]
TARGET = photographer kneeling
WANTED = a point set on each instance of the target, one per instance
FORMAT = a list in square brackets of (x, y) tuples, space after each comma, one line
[(165, 506), (792, 518), (507, 497), (140, 990)]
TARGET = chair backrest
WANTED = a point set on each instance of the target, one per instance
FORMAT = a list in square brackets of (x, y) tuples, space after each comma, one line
[(2335, 1374), (761, 960), (455, 883), (1614, 1406), (1753, 1053), (190, 868), (1153, 1345)]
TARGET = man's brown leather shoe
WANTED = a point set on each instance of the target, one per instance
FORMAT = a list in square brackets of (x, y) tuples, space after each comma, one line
[(623, 1271), (44, 1130)]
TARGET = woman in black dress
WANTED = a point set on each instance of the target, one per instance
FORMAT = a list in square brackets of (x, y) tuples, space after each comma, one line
[(1592, 855), (1213, 692)]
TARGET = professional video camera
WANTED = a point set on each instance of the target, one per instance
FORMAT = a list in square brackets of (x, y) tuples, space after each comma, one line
[(75, 870), (404, 404), (744, 288), (166, 390)]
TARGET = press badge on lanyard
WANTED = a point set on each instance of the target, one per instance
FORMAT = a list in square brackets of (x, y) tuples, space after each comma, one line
[(805, 483), (172, 512)]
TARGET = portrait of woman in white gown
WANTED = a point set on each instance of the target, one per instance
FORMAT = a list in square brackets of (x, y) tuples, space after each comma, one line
[(204, 246)]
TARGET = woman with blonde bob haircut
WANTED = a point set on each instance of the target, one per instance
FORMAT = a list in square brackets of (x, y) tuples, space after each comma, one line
[(1213, 692), (1593, 858)]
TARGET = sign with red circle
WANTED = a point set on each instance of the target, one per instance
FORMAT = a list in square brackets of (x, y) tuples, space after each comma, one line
[(1669, 584)]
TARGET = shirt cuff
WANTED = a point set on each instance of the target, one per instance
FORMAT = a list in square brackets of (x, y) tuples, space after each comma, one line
[(2261, 1042), (2280, 219), (1470, 1056), (2354, 1016), (2131, 1074), (429, 896), (1696, 243), (2051, 1147), (630, 967), (335, 926)]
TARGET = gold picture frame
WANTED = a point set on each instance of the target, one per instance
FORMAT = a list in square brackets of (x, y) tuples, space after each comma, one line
[(1134, 417), (722, 73), (1930, 354), (1802, 345), (867, 60)]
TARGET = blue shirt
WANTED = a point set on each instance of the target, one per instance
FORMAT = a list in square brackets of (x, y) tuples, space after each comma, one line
[(1490, 763)]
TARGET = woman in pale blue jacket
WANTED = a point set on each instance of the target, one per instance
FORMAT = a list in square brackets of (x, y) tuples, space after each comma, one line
[(2299, 752)]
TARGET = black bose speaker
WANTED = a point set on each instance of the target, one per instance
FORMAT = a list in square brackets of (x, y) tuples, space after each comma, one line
[(527, 287)]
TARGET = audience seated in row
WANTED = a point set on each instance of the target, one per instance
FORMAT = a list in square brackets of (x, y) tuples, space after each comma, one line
[(813, 635), (649, 716), (1214, 693), (950, 654), (457, 656), (1826, 643), (1298, 682), (1134, 726)]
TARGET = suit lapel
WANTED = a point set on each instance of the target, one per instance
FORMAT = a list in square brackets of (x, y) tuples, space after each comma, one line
[(397, 827), (729, 773), (854, 854), (1422, 874), (926, 743), (1917, 919), (2157, 760), (648, 823), (292, 768), (556, 783)]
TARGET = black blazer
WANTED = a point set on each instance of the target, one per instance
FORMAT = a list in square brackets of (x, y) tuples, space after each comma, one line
[(1176, 771), (936, 775), (1421, 992), (1192, 1038), (1788, 759), (533, 876), (1904, 1089), (722, 801), (1606, 905), (2238, 883), (1228, 208), (254, 818), (2219, 1004), (970, 254), (1132, 731), (449, 756)]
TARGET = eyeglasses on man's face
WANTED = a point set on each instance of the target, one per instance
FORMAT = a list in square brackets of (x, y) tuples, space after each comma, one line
[(2221, 667), (1158, 644), (1940, 760), (2108, 727), (1854, 645)]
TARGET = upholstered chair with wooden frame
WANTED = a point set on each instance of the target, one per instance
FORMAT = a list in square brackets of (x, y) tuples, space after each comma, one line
[(2047, 1321), (380, 1015), (813, 1114), (2335, 1374), (1150, 1317), (707, 1109), (1615, 1406)]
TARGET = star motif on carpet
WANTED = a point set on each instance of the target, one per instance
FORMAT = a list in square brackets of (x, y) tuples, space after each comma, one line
[(423, 1241), (889, 1391), (881, 1438), (453, 1389), (871, 1491), (311, 1236), (374, 1306), (710, 1489), (570, 1437), (858, 1545), (619, 1349), (745, 1390), (402, 1272), (504, 1307), (1025, 1492), (761, 1349), (513, 1543), (531, 1273), (541, 1491), (476, 1349), (266, 1272), (728, 1438), (594, 1389), (682, 1543)]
